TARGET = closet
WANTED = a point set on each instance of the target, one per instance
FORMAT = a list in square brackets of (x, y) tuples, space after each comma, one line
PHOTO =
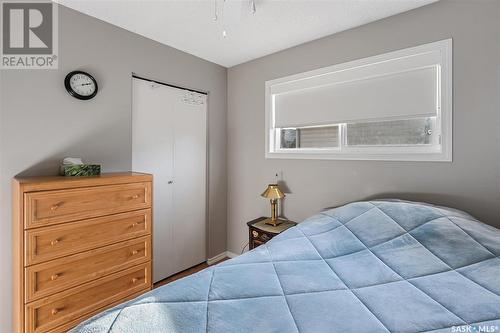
[(169, 140)]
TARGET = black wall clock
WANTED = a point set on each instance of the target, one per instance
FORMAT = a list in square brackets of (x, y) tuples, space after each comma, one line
[(81, 85)]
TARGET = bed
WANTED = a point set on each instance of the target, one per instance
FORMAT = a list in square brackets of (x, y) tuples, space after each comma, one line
[(376, 266)]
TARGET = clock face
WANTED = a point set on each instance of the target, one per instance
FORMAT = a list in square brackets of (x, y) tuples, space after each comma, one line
[(81, 85)]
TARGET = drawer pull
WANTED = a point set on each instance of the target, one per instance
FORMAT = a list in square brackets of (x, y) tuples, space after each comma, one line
[(55, 277), (54, 207), (135, 196), (134, 252), (56, 311), (134, 280), (54, 242), (135, 224)]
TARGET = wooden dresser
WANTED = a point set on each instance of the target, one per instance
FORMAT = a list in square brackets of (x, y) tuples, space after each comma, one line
[(81, 245)]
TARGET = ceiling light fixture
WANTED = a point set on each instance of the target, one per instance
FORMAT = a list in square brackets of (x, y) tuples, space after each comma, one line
[(216, 14)]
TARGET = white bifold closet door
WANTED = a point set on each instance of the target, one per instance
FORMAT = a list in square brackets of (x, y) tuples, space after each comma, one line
[(169, 140)]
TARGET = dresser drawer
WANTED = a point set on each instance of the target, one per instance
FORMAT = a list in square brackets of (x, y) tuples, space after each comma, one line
[(52, 242), (71, 324), (51, 207), (261, 236), (60, 274), (46, 314)]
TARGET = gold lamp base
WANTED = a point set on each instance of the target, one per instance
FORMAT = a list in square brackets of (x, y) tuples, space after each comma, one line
[(275, 222)]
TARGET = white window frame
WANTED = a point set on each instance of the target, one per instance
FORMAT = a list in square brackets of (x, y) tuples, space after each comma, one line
[(444, 120)]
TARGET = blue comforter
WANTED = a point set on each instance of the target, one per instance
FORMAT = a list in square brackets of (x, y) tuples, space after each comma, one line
[(379, 266)]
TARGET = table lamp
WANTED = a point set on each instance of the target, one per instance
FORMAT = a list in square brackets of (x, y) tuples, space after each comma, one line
[(273, 193)]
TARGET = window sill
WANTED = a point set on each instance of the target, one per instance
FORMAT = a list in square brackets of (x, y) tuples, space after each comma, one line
[(361, 156)]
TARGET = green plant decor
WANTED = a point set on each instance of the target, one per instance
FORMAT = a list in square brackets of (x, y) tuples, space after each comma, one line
[(81, 170)]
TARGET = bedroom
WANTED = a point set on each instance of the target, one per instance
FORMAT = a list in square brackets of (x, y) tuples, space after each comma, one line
[(233, 58)]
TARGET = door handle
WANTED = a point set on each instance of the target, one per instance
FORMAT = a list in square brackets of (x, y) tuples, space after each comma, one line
[(170, 182)]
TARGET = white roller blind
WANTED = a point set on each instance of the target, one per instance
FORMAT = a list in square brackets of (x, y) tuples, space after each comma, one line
[(411, 93)]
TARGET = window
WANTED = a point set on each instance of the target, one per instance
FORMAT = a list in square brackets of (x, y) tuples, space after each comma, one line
[(418, 131), (395, 106), (310, 137)]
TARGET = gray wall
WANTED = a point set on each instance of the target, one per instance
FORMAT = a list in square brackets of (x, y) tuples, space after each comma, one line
[(41, 123), (471, 182)]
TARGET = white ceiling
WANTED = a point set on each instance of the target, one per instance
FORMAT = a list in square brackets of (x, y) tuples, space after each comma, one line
[(189, 26)]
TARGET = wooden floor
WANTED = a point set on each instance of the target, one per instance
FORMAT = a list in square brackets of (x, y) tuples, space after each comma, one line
[(184, 273)]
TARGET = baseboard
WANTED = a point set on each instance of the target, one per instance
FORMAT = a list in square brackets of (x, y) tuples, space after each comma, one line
[(216, 259), (220, 256), (230, 254)]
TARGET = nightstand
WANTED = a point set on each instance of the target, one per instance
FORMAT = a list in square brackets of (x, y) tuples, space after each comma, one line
[(259, 232)]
